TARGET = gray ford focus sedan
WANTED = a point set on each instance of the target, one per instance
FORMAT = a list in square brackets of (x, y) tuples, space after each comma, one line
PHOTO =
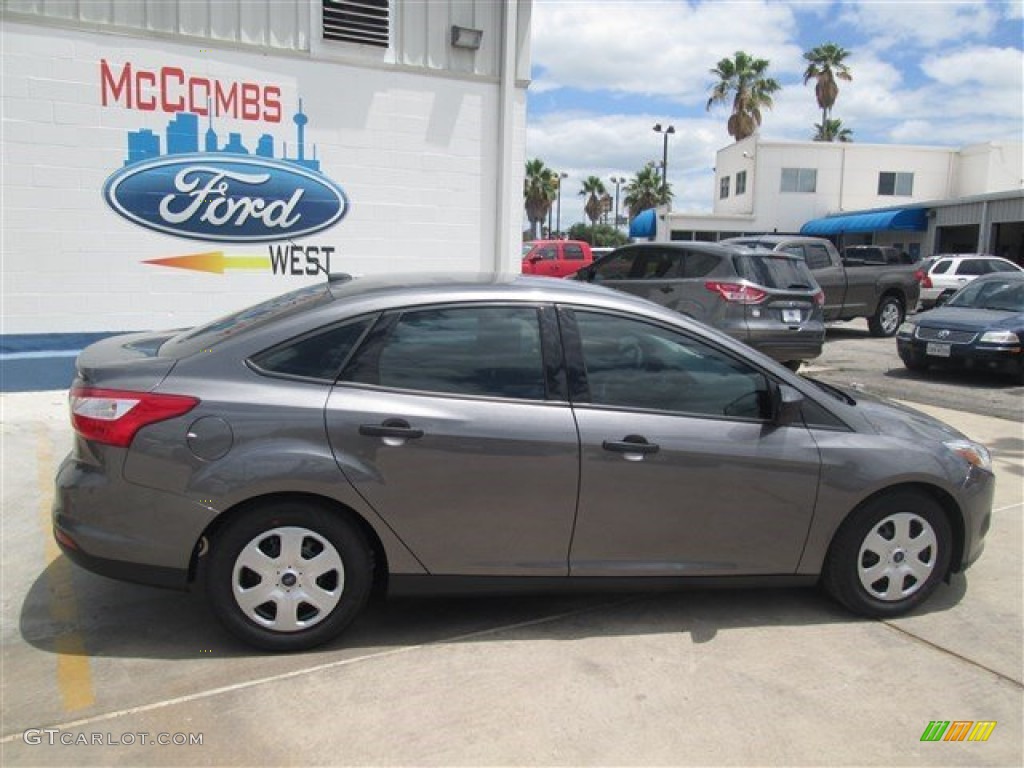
[(438, 434)]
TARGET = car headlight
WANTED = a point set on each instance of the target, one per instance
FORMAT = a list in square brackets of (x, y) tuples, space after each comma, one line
[(975, 454), (907, 330), (999, 337)]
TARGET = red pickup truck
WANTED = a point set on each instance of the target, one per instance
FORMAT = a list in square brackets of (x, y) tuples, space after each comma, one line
[(555, 258)]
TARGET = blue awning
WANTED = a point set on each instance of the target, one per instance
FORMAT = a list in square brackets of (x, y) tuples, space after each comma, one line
[(913, 219), (644, 224)]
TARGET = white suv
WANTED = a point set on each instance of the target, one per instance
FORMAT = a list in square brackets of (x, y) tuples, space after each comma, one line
[(946, 273)]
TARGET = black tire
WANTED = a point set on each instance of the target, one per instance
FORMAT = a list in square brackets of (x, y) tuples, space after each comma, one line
[(914, 362), (888, 317), (313, 565), (793, 365), (905, 577)]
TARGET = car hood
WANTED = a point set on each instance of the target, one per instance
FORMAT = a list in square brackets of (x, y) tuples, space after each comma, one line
[(896, 420), (968, 319)]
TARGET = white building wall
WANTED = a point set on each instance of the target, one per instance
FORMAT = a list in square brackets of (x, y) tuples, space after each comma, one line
[(415, 150)]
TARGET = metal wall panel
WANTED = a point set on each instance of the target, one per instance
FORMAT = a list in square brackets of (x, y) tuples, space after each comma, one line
[(1001, 211), (420, 30), (958, 215), (276, 24)]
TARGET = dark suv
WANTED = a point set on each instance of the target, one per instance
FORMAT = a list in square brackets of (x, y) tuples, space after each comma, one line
[(770, 300)]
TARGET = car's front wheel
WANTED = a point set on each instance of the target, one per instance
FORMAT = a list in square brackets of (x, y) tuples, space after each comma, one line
[(288, 575), (887, 318), (914, 362), (889, 555)]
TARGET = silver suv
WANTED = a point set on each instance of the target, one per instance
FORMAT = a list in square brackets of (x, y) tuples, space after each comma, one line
[(770, 300)]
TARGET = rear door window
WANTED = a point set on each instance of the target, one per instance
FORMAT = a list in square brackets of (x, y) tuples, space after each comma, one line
[(573, 252), (942, 267), (319, 355), (617, 266), (698, 264), (972, 267)]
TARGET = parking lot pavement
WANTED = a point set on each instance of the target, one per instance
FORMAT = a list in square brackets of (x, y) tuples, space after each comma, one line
[(766, 677)]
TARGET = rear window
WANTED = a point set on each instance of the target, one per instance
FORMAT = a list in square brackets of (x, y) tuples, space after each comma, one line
[(773, 270), (193, 340)]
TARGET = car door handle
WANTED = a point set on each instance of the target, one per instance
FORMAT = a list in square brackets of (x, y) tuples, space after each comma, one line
[(391, 428), (635, 444)]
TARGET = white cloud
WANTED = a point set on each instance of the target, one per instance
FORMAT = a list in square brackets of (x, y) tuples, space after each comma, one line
[(654, 47), (922, 24)]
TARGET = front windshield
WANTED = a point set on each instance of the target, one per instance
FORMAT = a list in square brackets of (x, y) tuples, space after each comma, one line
[(1003, 295)]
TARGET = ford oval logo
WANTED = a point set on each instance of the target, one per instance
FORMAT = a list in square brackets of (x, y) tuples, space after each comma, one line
[(210, 197)]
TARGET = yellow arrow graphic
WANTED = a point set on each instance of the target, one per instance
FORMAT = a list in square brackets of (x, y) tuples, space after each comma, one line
[(214, 261)]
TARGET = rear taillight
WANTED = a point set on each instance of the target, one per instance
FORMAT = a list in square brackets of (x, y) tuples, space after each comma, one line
[(737, 292), (923, 278), (819, 298), (113, 416)]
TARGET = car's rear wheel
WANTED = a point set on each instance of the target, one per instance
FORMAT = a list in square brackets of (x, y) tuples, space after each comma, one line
[(793, 365), (889, 555), (887, 318), (287, 576)]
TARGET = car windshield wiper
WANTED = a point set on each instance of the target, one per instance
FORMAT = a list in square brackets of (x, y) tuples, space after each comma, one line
[(837, 393)]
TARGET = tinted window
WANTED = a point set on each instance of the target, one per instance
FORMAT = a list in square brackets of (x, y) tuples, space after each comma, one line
[(573, 252), (817, 256), (995, 265), (488, 351), (697, 264), (657, 264), (316, 356), (617, 266), (796, 250), (632, 364), (941, 268), (971, 267), (773, 270)]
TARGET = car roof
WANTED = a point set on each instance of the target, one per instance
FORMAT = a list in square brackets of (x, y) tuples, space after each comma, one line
[(721, 248), (1013, 277)]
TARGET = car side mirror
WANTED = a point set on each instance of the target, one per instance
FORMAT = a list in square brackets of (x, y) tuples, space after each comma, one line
[(786, 404)]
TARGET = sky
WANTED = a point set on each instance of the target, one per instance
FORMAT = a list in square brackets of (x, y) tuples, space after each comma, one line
[(605, 72)]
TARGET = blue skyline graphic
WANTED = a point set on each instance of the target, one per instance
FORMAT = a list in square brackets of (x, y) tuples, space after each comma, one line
[(182, 137)]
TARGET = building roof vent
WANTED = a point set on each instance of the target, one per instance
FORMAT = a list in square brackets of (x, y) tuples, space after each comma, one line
[(365, 22)]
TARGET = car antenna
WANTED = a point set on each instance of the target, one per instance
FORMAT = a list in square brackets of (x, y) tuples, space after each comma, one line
[(332, 277)]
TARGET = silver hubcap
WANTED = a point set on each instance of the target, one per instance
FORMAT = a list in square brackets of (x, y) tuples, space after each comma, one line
[(897, 557), (288, 579), (890, 318)]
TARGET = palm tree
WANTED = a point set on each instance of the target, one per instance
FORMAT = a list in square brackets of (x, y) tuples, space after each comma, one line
[(646, 190), (824, 65), (832, 130), (744, 78), (593, 189), (539, 189)]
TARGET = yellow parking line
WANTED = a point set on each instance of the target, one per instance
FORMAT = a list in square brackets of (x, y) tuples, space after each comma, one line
[(74, 676)]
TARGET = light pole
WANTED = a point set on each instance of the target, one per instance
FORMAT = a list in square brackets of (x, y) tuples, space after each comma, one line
[(617, 180), (669, 129), (558, 223)]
